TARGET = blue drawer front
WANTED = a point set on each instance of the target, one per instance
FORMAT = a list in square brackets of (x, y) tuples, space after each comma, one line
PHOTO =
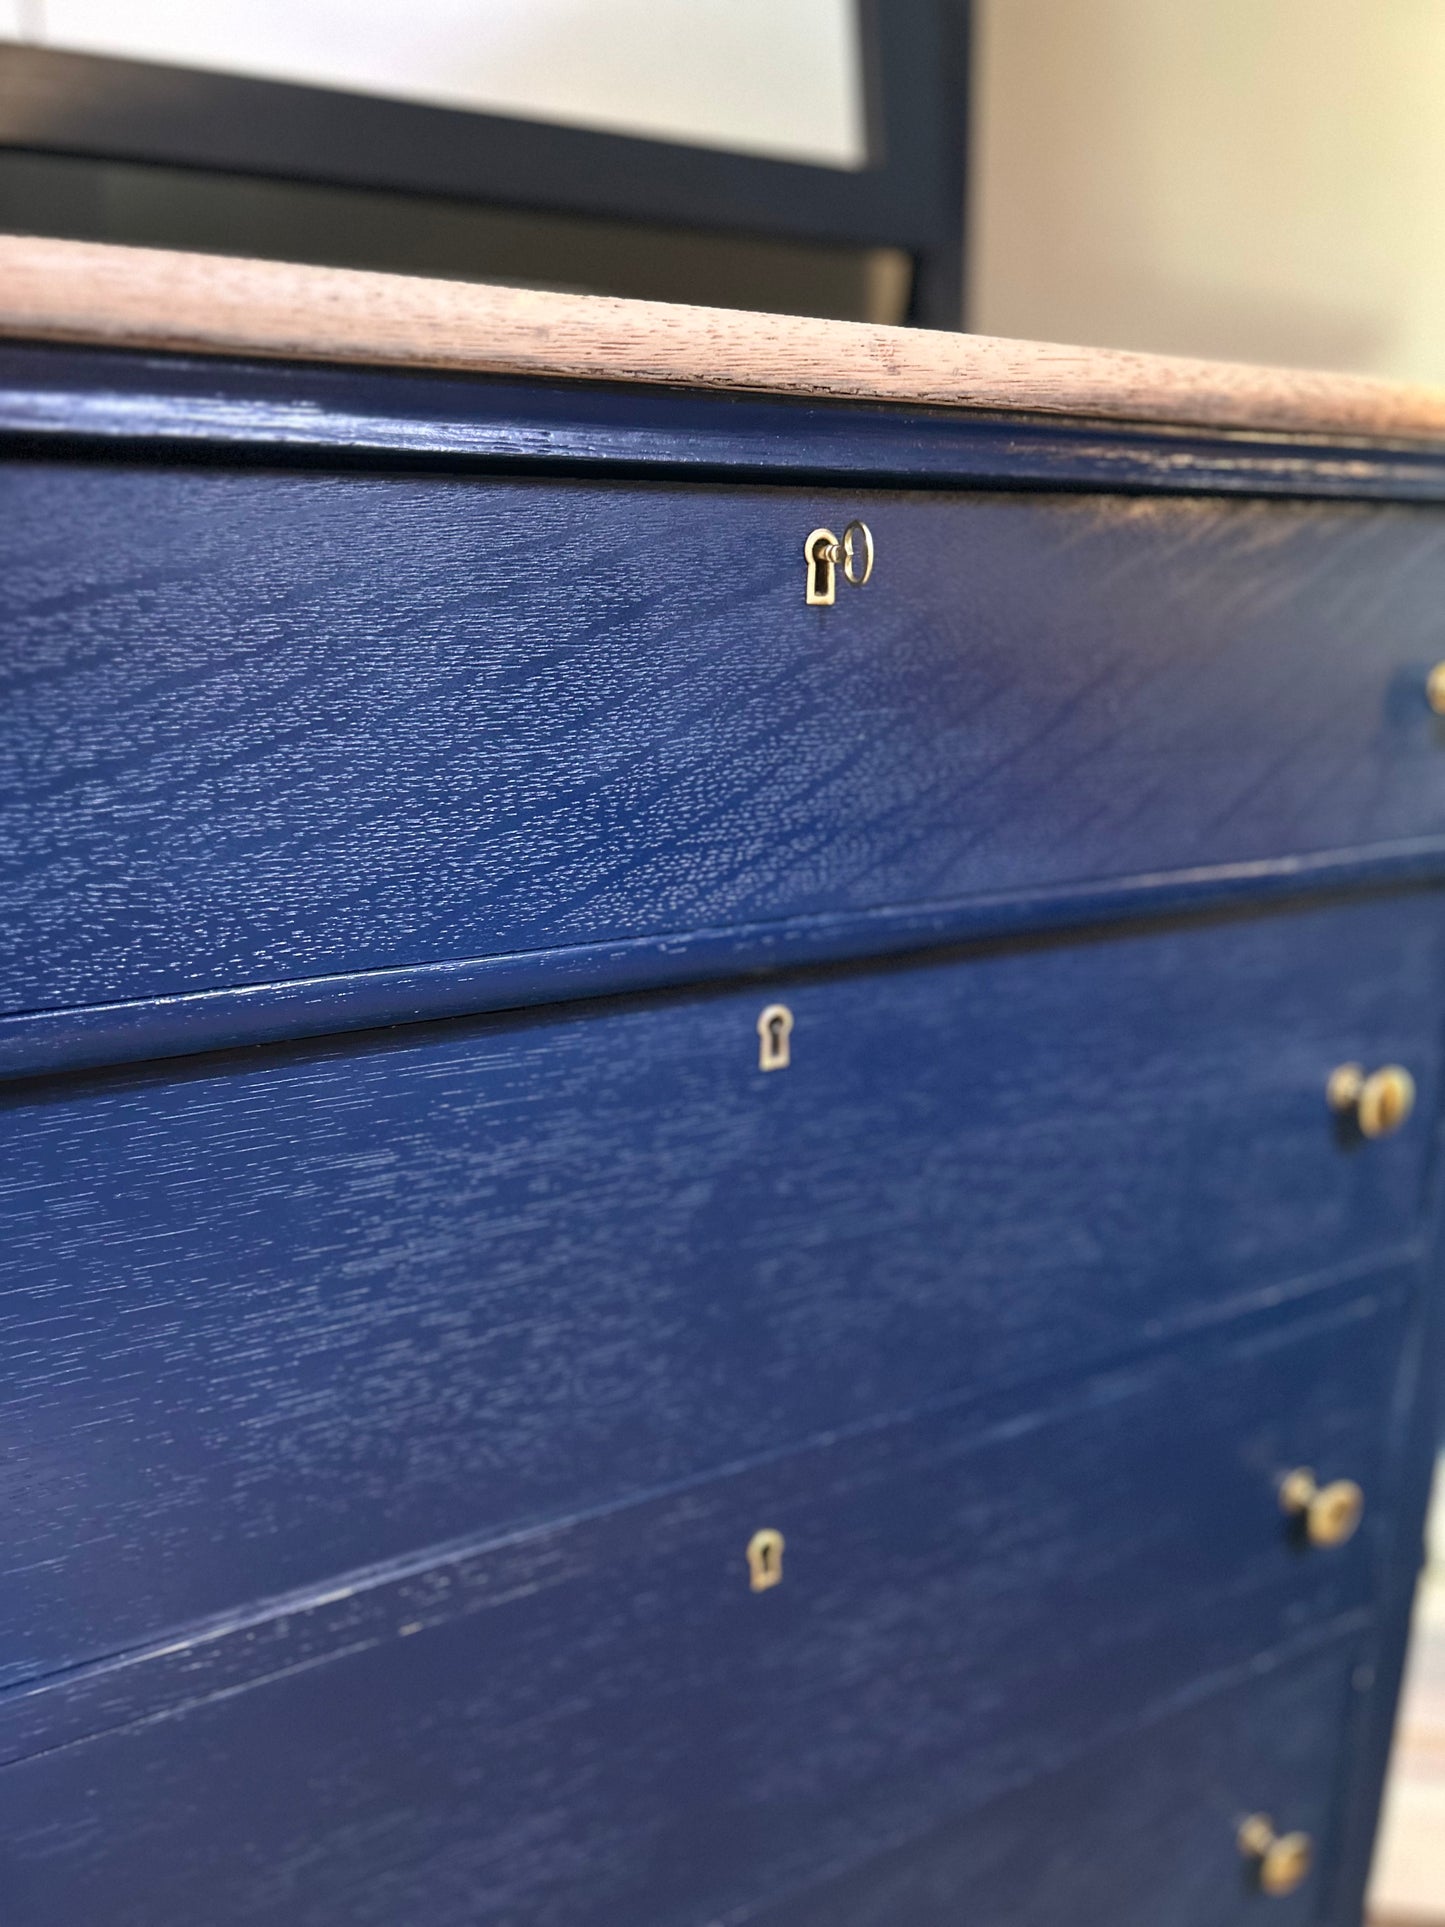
[(258, 727), (271, 1317), (319, 1308), (601, 1722), (1142, 1832)]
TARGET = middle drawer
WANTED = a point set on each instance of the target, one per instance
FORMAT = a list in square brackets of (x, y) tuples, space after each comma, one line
[(605, 1721), (275, 1316)]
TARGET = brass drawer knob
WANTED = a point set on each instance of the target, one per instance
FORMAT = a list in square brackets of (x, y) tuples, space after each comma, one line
[(1282, 1860), (1331, 1514), (1379, 1103), (1435, 689)]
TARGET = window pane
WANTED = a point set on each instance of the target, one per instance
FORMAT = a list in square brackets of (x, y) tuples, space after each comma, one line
[(781, 77)]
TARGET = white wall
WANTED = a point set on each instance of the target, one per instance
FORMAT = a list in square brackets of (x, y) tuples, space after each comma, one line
[(767, 76), (1253, 179)]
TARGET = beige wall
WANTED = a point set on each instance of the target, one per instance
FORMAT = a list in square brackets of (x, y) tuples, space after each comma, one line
[(1254, 179)]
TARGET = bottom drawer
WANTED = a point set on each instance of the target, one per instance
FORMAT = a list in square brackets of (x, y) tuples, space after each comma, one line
[(1143, 1832), (603, 1722)]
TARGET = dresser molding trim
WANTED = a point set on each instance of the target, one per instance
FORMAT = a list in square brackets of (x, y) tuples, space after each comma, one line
[(89, 1037), (151, 298), (56, 400)]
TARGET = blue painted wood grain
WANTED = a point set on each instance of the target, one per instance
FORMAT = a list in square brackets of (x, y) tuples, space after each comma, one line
[(273, 1316), (91, 1036), (1141, 1832), (257, 727), (160, 403), (384, 1418), (600, 1722)]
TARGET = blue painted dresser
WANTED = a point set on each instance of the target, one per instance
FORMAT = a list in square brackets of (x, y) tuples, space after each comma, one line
[(720, 1187)]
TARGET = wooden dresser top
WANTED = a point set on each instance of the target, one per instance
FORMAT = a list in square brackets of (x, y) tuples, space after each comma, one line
[(74, 291)]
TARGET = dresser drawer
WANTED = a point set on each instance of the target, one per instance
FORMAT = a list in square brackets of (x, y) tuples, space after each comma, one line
[(270, 1317), (605, 1722), (260, 726), (1143, 1831)]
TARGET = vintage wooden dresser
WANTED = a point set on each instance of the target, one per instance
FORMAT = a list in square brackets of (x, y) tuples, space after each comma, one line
[(722, 1047)]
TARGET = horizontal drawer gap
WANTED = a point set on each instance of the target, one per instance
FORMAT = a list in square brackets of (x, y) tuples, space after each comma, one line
[(88, 1037), (439, 1586)]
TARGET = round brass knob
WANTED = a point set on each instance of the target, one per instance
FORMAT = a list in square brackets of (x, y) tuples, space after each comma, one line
[(1282, 1860), (1435, 689), (1380, 1102), (1331, 1513)]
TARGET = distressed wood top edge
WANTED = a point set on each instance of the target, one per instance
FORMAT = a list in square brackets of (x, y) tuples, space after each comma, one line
[(150, 298)]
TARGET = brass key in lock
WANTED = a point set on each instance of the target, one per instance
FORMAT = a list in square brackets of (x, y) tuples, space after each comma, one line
[(826, 555)]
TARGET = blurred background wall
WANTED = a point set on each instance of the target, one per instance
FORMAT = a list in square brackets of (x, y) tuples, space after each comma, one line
[(1260, 180)]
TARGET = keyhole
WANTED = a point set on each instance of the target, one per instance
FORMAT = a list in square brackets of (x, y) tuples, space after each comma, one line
[(821, 550), (775, 1029), (765, 1559)]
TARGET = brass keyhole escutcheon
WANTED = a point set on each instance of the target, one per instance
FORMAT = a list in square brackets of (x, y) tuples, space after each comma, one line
[(1330, 1514), (1379, 1102), (1282, 1860), (775, 1030), (765, 1559), (826, 556)]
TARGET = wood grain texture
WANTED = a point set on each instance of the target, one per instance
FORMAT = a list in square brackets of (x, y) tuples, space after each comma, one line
[(599, 1722), (277, 1316), (382, 1419), (203, 1815), (144, 298), (258, 727), (1140, 1832), (130, 1031), (973, 1502)]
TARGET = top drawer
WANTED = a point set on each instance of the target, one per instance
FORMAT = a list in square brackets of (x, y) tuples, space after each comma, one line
[(256, 726)]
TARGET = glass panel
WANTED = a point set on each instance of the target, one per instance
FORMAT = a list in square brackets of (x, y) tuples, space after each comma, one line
[(779, 77)]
